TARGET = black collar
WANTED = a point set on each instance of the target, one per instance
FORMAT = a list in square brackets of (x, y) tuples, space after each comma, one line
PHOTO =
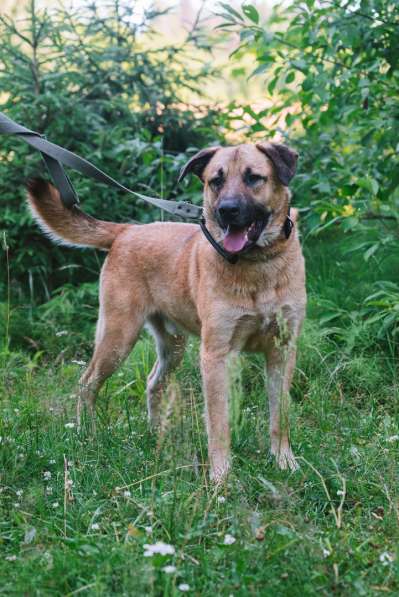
[(231, 257)]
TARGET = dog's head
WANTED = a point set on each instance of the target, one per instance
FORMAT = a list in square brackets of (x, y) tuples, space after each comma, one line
[(245, 192)]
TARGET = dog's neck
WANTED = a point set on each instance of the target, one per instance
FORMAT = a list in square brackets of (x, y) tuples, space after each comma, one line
[(258, 272)]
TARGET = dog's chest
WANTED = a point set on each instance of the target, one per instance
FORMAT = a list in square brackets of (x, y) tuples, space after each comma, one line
[(256, 322)]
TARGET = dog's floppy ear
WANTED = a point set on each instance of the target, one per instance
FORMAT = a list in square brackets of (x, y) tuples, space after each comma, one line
[(284, 160), (198, 163)]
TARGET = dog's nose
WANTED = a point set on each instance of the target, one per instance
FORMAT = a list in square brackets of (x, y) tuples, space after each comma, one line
[(229, 210)]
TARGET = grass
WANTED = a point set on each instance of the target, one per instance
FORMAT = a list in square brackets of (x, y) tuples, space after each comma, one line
[(77, 509)]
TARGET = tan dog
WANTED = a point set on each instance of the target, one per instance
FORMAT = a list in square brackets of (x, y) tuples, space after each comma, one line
[(168, 275)]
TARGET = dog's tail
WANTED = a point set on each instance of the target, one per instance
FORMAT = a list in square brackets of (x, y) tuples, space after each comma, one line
[(68, 226)]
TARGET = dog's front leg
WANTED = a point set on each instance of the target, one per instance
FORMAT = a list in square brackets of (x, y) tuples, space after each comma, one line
[(280, 364), (215, 384)]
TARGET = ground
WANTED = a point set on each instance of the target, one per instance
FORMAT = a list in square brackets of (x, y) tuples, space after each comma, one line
[(77, 509)]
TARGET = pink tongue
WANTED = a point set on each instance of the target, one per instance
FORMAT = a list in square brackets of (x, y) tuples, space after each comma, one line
[(235, 240)]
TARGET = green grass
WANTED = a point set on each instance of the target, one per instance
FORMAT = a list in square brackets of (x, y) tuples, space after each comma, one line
[(331, 528)]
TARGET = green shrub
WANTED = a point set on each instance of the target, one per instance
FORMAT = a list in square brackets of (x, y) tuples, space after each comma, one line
[(98, 84), (332, 77)]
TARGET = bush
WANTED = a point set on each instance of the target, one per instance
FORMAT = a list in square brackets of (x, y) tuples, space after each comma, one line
[(96, 83), (332, 80)]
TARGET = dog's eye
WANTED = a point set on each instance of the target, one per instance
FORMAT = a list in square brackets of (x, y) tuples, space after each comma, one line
[(252, 179), (216, 183)]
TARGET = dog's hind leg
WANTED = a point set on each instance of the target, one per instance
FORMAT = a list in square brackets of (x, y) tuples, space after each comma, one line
[(170, 349), (117, 332)]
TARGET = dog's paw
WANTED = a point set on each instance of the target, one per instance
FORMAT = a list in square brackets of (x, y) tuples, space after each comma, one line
[(154, 423), (219, 472), (285, 458)]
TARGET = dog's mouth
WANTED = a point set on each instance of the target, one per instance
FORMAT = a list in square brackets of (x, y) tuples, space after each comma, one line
[(240, 239)]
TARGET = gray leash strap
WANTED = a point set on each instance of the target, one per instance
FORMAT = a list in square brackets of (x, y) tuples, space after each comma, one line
[(55, 157)]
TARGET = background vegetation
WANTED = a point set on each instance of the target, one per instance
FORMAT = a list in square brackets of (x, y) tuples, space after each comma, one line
[(76, 511)]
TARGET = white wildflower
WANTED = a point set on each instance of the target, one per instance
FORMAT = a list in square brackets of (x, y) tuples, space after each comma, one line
[(55, 504), (49, 490), (69, 425), (169, 569), (148, 530), (340, 492), (47, 475), (184, 587), (61, 333), (11, 558), (19, 492), (52, 461), (221, 499), (229, 539), (393, 438), (95, 526), (127, 494), (326, 552), (386, 558), (16, 504), (162, 548)]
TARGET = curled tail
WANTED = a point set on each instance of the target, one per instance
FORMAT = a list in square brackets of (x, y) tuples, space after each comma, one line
[(68, 226)]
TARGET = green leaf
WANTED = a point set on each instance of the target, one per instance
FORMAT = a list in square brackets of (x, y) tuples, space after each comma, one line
[(231, 10), (370, 252), (262, 68), (368, 183), (290, 77), (374, 186), (272, 85), (250, 11)]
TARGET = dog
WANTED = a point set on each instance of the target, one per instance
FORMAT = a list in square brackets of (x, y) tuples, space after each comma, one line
[(168, 276)]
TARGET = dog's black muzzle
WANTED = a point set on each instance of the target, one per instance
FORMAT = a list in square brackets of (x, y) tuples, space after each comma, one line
[(236, 212)]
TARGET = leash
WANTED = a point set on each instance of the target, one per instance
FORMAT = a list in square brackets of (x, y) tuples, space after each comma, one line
[(55, 157)]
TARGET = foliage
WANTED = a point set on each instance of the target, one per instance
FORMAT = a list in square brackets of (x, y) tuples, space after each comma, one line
[(61, 326), (99, 83), (383, 306), (333, 80)]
